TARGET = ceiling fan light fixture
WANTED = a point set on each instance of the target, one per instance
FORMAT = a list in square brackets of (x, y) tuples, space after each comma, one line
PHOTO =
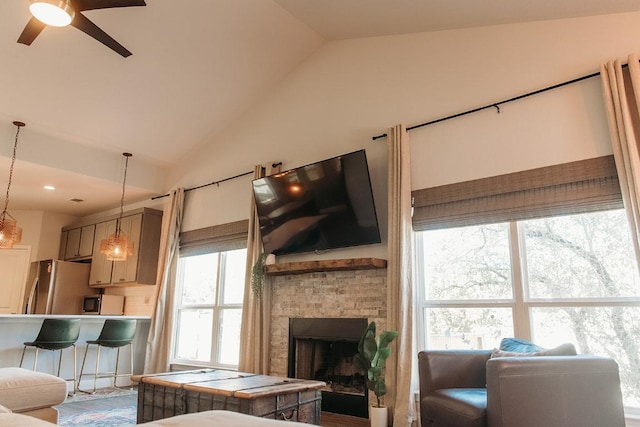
[(57, 13)]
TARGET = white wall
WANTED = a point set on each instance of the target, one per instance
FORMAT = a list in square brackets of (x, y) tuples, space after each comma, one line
[(352, 90), (41, 231)]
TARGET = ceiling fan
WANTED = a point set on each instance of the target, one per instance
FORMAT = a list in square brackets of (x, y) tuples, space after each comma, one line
[(71, 10)]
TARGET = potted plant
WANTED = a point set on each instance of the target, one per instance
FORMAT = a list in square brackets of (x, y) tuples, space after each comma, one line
[(371, 357), (257, 274)]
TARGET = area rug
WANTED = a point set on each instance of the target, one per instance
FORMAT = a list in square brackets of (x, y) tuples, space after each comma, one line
[(120, 417), (101, 411)]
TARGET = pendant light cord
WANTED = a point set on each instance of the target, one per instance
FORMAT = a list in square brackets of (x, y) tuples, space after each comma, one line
[(126, 166), (13, 162), (124, 181)]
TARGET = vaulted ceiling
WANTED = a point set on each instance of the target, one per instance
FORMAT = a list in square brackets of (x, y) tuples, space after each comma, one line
[(197, 65)]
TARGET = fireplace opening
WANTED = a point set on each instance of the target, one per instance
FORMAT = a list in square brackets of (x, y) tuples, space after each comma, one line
[(322, 349)]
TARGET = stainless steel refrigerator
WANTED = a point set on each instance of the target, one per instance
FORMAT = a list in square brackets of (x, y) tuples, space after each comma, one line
[(58, 287)]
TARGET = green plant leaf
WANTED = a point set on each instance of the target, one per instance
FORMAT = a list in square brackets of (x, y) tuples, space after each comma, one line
[(386, 337), (369, 347), (383, 354), (362, 363), (380, 388)]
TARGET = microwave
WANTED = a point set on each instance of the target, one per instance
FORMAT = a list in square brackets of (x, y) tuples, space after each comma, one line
[(103, 304)]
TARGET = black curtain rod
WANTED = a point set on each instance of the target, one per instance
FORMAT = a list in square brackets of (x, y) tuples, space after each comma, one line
[(273, 165), (496, 105)]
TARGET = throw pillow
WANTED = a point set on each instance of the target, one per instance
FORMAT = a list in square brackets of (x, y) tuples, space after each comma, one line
[(499, 353), (518, 345), (567, 349)]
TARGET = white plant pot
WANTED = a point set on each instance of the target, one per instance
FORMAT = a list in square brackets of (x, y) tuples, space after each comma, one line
[(378, 416)]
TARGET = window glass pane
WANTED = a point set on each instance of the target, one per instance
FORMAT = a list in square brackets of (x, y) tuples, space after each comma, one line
[(230, 336), (234, 272), (578, 256), (471, 328), (199, 280), (467, 263), (193, 335), (605, 331)]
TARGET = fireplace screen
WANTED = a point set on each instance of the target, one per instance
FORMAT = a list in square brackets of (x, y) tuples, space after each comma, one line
[(323, 350)]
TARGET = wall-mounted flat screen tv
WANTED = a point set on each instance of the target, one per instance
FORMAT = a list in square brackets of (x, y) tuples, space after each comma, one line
[(324, 205)]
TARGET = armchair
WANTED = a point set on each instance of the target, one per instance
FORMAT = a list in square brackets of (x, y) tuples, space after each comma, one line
[(468, 388)]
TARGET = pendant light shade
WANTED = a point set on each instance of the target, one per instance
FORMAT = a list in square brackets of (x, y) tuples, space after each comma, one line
[(57, 13), (10, 233), (117, 246)]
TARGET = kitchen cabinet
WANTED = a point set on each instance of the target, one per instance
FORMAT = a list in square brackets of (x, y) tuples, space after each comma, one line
[(79, 242), (143, 229), (101, 267)]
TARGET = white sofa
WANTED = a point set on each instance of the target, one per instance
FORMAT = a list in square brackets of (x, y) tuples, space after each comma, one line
[(212, 418), (31, 393)]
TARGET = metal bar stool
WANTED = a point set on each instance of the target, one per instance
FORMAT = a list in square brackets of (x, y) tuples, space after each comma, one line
[(56, 334), (115, 333)]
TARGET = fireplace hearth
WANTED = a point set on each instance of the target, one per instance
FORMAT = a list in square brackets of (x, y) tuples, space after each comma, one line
[(322, 349)]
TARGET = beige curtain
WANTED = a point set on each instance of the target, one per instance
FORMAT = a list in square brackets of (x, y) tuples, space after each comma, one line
[(400, 367), (621, 90), (256, 310), (159, 341)]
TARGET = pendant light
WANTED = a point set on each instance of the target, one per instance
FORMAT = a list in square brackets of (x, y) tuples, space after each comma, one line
[(117, 246), (10, 233), (57, 13)]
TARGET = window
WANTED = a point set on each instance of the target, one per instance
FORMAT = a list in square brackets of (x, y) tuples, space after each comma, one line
[(570, 278), (209, 308)]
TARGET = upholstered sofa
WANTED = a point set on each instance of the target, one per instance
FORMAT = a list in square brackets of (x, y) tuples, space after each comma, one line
[(31, 393), (207, 418), (469, 388)]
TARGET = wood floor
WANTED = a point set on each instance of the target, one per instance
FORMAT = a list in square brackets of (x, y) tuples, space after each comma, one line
[(327, 419)]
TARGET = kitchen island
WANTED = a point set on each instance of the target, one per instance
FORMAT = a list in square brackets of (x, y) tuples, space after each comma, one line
[(15, 329)]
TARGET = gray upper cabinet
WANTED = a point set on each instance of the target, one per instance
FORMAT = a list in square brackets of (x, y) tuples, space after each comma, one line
[(142, 226), (143, 229), (78, 242)]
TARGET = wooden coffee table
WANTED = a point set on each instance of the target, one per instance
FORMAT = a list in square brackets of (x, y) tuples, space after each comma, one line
[(175, 393)]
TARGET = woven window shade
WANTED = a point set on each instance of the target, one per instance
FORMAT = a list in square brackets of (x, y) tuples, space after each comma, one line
[(576, 187), (218, 238)]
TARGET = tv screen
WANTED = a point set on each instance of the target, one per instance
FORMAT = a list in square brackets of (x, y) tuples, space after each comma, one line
[(324, 205)]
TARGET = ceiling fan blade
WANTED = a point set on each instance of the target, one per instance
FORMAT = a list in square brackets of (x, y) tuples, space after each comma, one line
[(31, 31), (105, 4), (83, 23)]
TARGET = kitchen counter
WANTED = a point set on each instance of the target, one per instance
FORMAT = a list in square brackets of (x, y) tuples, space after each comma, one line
[(15, 329)]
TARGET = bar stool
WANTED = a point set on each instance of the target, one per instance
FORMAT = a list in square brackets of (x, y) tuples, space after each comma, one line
[(55, 334), (115, 333)]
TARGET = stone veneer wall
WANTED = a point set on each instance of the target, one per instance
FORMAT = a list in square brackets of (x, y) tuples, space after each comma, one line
[(354, 293)]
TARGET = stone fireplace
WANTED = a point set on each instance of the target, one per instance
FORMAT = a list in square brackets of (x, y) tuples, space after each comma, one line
[(320, 290)]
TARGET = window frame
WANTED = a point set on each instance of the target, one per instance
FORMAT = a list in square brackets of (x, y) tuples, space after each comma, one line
[(521, 304), (217, 307), (217, 239)]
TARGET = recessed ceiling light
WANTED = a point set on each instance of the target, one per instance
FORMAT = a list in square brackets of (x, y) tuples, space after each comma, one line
[(49, 187)]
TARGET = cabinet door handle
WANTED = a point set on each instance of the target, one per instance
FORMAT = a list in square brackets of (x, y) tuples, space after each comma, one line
[(122, 280)]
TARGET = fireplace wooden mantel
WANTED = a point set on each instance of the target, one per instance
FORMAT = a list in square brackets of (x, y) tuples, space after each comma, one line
[(303, 267)]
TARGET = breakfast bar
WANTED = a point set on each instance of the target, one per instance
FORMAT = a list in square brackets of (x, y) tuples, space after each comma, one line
[(15, 329)]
